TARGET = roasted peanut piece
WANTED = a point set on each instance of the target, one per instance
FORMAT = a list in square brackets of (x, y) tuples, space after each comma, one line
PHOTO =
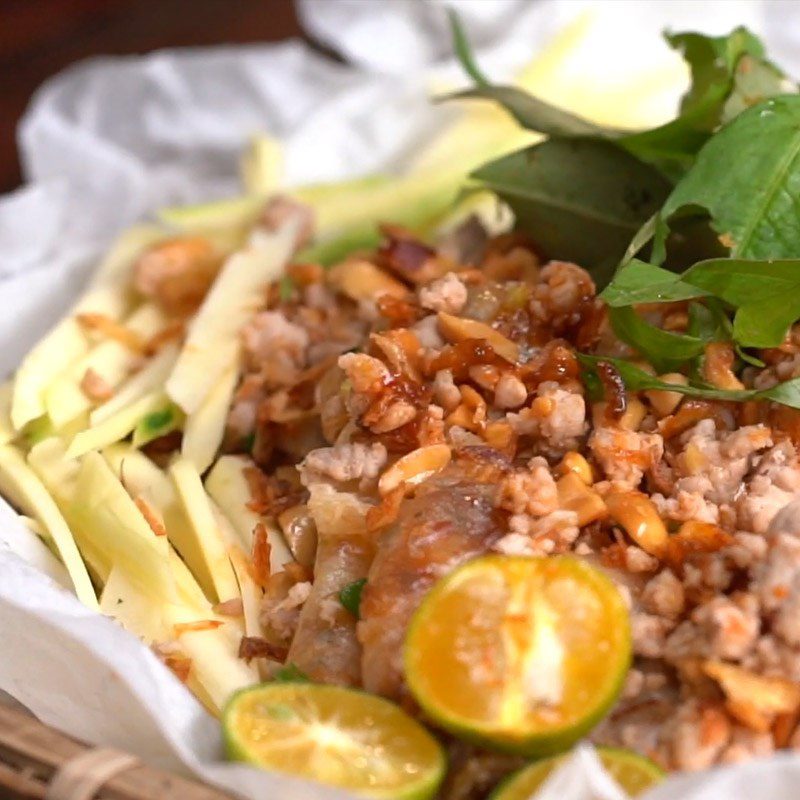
[(414, 467), (637, 514), (362, 280), (458, 329), (755, 700), (633, 415), (718, 366), (665, 402), (577, 464), (575, 495)]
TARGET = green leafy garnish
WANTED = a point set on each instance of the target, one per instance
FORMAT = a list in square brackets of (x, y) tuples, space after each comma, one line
[(290, 673), (463, 50), (584, 198), (350, 596), (636, 379), (729, 74), (747, 181), (765, 295), (720, 179), (717, 64), (641, 282), (666, 351), (709, 322), (526, 109)]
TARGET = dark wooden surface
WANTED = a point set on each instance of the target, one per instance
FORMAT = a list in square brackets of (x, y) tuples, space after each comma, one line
[(40, 37)]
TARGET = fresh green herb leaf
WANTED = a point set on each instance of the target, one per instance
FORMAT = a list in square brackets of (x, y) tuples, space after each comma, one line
[(748, 358), (765, 294), (755, 80), (747, 179), (528, 110), (463, 50), (670, 147), (636, 379), (532, 113), (592, 383), (666, 351), (580, 199), (640, 239), (249, 442), (704, 56), (729, 74), (290, 673), (721, 88), (350, 596), (708, 322), (640, 282), (712, 60)]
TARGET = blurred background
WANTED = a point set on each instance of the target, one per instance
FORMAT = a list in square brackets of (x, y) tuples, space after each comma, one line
[(40, 37)]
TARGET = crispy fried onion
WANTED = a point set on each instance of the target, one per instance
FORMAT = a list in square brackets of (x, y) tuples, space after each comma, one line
[(252, 647), (755, 700)]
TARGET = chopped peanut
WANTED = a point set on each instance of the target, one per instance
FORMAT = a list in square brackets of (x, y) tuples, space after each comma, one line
[(401, 348), (458, 329), (577, 464), (414, 467), (500, 435), (637, 514), (362, 280), (718, 366), (696, 537), (633, 415), (630, 419), (755, 700), (575, 495), (694, 459), (665, 402)]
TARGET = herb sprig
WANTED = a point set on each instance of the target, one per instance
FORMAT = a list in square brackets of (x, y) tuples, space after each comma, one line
[(636, 380), (711, 195), (730, 74)]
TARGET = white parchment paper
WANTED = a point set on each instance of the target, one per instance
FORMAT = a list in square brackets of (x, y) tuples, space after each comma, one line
[(110, 140)]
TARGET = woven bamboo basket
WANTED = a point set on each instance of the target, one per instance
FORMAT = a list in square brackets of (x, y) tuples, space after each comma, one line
[(37, 763)]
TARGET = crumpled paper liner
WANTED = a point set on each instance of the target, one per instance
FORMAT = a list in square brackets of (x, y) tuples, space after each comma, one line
[(109, 141)]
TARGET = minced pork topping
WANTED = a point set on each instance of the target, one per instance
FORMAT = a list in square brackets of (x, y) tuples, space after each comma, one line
[(434, 410)]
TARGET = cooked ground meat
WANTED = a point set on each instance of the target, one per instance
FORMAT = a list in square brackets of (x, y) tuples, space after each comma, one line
[(486, 369)]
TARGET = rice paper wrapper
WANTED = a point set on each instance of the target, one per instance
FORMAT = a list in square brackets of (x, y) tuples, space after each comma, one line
[(110, 140)]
